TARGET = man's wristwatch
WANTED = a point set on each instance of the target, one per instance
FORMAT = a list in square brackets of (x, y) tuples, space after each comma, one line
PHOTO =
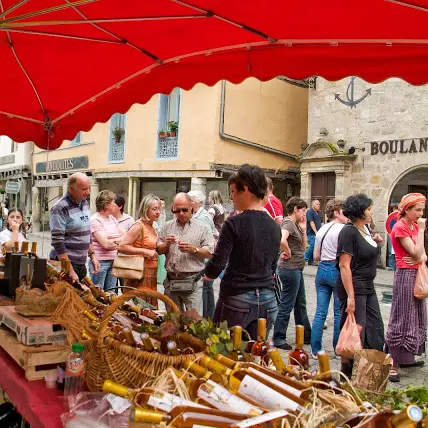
[(91, 253), (196, 250)]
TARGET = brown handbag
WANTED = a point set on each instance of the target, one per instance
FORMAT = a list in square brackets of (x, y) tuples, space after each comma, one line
[(129, 266)]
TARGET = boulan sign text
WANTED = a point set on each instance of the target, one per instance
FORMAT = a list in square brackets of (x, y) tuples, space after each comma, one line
[(81, 162), (414, 145)]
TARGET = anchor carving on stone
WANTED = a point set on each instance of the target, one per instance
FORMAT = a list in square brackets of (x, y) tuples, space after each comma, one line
[(351, 101)]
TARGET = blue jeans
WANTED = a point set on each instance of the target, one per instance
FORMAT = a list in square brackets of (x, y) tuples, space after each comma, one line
[(208, 299), (391, 257), (293, 296), (309, 254), (245, 309), (104, 277), (325, 283)]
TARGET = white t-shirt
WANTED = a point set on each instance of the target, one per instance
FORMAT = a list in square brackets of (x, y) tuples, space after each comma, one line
[(6, 235), (329, 245)]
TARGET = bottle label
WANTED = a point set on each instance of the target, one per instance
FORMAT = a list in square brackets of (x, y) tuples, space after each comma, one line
[(276, 382), (222, 399), (257, 359), (147, 319), (166, 402), (267, 397), (118, 404), (257, 420), (76, 367)]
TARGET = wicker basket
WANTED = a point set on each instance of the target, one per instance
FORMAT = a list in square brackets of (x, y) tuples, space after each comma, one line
[(38, 301), (107, 358)]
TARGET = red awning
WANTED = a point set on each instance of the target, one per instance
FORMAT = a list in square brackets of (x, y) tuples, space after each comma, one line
[(67, 64)]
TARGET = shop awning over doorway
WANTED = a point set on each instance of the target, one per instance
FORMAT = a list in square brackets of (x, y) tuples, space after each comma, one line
[(67, 64)]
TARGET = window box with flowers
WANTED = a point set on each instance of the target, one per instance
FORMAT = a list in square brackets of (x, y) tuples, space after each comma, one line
[(118, 133)]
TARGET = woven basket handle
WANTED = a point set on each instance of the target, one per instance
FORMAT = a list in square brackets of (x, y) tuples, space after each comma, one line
[(141, 292)]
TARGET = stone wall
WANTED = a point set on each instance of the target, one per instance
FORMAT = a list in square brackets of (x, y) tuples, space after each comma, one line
[(394, 111)]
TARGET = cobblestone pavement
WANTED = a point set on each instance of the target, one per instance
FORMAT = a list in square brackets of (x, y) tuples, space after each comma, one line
[(415, 376)]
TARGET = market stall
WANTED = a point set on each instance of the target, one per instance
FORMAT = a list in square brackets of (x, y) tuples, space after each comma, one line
[(127, 364)]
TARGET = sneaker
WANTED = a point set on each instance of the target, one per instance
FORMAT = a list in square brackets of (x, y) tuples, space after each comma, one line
[(285, 347)]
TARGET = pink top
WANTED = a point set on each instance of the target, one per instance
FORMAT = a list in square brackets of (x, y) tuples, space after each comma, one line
[(402, 230), (109, 227)]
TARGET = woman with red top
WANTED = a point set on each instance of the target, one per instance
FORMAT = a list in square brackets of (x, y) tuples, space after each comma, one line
[(141, 240), (407, 329)]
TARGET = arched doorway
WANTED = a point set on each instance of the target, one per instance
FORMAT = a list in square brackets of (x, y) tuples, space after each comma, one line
[(413, 181)]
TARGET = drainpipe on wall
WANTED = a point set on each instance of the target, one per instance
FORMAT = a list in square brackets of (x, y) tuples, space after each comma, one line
[(237, 140)]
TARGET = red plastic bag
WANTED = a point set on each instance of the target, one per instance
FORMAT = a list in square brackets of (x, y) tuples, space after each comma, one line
[(349, 339), (421, 284)]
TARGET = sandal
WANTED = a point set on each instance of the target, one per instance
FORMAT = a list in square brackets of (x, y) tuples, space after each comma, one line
[(393, 375)]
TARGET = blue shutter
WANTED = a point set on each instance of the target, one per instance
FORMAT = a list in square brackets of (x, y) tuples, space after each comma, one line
[(163, 112)]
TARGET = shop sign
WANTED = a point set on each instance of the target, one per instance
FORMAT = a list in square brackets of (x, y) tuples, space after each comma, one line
[(81, 162), (415, 145), (4, 160), (12, 187)]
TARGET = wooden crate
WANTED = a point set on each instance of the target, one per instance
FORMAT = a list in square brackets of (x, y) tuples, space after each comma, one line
[(37, 361)]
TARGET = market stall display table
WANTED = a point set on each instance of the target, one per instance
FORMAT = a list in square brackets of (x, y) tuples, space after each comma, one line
[(37, 361), (39, 406)]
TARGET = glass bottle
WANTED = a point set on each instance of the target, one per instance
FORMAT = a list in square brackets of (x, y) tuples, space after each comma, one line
[(299, 357), (147, 342), (84, 335), (90, 316), (260, 347), (128, 307), (129, 337), (152, 317), (96, 291), (133, 316), (16, 246), (236, 353), (214, 366), (201, 373), (261, 389), (172, 348), (247, 350), (148, 416), (407, 418), (34, 249), (324, 373), (24, 248), (65, 274), (161, 400), (228, 362), (215, 395), (117, 389), (279, 364), (90, 300)]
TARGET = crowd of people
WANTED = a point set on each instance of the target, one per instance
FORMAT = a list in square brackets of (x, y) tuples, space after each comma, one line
[(250, 249)]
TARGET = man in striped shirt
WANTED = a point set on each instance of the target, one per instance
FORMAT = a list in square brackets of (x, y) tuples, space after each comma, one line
[(70, 227)]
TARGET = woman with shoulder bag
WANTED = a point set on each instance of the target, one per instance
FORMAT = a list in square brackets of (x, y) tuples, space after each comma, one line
[(106, 236), (407, 328), (141, 240)]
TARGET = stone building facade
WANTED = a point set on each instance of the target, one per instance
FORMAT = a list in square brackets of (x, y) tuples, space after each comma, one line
[(378, 147)]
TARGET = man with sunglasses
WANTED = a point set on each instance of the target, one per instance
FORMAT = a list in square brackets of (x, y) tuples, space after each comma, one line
[(186, 243)]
